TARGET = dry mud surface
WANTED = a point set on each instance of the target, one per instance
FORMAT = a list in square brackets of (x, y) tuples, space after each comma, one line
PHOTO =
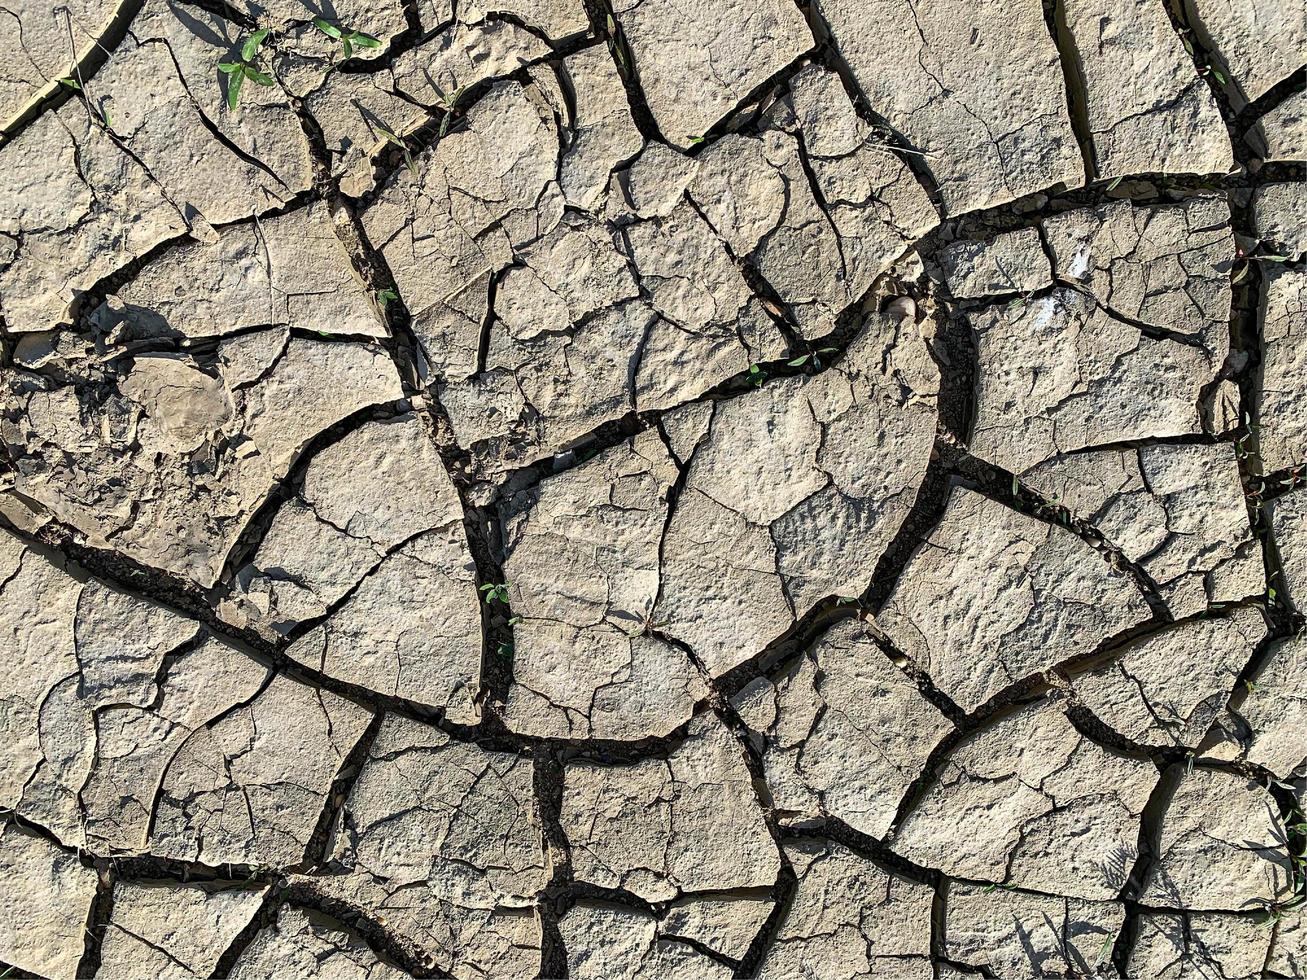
[(514, 488)]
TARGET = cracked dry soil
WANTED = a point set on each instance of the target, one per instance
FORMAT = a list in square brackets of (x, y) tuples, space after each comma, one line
[(515, 488)]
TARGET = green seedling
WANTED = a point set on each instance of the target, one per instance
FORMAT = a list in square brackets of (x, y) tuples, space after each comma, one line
[(1218, 74), (757, 375), (394, 140), (71, 83), (1115, 183), (348, 39), (238, 71), (493, 591), (505, 650), (385, 297), (449, 103), (799, 361), (514, 620)]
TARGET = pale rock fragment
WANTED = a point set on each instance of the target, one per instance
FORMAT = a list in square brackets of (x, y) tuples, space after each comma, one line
[(795, 492), (843, 732), (976, 88), (1261, 41), (306, 944), (1281, 385), (1199, 945), (661, 827), (1013, 262), (1267, 719), (45, 904), (440, 838), (287, 270), (249, 787), (697, 62), (1221, 845), (557, 19), (727, 924), (992, 597), (653, 184), (604, 133), (1280, 217), (1289, 947), (1058, 373), (1281, 134), (1178, 511), (850, 919), (604, 941), (1030, 802), (164, 457), (160, 929), (1167, 688), (1148, 110), (1011, 934), (1166, 267), (582, 554)]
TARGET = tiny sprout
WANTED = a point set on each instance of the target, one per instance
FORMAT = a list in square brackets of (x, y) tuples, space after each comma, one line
[(505, 650), (1220, 77), (757, 375), (1116, 183), (514, 620), (799, 361), (1270, 593), (394, 140), (238, 71), (71, 83), (450, 102), (347, 39), (696, 140), (845, 600), (493, 591), (1270, 258), (386, 296)]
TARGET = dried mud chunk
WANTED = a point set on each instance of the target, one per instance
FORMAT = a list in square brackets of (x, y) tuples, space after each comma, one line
[(977, 88), (1057, 374), (45, 904), (582, 554), (661, 827), (1289, 948), (1221, 845), (1281, 134), (1029, 801), (1267, 719), (1261, 41), (557, 19), (608, 940), (249, 787), (1148, 111), (850, 918), (35, 48), (164, 458), (439, 837), (1178, 511), (794, 494), (160, 929), (1189, 947), (993, 596), (1006, 933), (1280, 216), (304, 943), (1167, 688), (453, 220), (604, 134), (1166, 267), (726, 924), (361, 499), (843, 732), (1282, 385), (288, 270), (1013, 262), (697, 63)]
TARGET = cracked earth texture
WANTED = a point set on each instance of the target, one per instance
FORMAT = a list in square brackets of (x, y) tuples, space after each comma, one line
[(628, 488)]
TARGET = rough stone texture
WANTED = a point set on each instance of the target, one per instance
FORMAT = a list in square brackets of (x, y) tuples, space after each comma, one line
[(1030, 802), (975, 87), (610, 941), (1267, 719), (1013, 262), (1281, 134), (1282, 405), (843, 732), (661, 827), (697, 62), (1167, 688), (1148, 111), (1280, 218), (1289, 948), (177, 932), (1261, 42), (1221, 845), (1177, 511), (1180, 947), (993, 596), (1010, 933), (45, 904), (1288, 518), (306, 944), (850, 918), (40, 45)]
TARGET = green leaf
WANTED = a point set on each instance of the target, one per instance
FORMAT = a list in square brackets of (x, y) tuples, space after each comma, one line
[(364, 40), (234, 83), (799, 361), (72, 83), (228, 67), (254, 75), (612, 25), (1216, 72), (1271, 258), (386, 296), (327, 27), (252, 43), (347, 48), (1116, 183)]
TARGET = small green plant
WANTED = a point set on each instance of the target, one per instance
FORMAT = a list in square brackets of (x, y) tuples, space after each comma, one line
[(238, 71), (347, 39), (495, 592), (385, 297), (1115, 183), (71, 83), (394, 140), (505, 650), (449, 103), (757, 375)]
